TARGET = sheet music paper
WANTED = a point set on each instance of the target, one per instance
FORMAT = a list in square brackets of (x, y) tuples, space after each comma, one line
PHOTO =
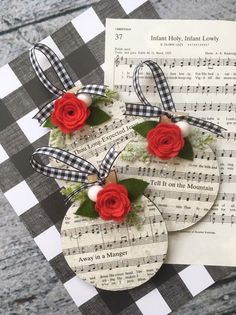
[(114, 256), (199, 60)]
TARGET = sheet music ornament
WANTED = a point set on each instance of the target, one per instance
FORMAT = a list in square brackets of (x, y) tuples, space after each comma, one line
[(169, 137), (75, 105), (176, 159), (112, 235)]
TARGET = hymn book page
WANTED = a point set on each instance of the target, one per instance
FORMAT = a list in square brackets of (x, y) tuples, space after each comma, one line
[(199, 61)]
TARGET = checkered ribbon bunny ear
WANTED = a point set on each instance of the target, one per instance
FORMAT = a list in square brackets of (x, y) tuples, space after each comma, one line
[(63, 77), (161, 84), (81, 168), (147, 110)]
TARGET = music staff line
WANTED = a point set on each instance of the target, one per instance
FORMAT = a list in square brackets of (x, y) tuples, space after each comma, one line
[(121, 263), (176, 175), (201, 197), (209, 218), (123, 243), (227, 107), (107, 227), (187, 89), (210, 63)]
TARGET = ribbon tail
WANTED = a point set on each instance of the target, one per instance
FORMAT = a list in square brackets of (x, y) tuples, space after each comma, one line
[(104, 171), (44, 113), (207, 125), (107, 162)]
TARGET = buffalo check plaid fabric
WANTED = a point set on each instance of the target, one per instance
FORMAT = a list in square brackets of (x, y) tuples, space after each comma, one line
[(42, 207)]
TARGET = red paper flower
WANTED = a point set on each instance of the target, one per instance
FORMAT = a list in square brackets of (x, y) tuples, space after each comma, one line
[(70, 113), (113, 202), (165, 141)]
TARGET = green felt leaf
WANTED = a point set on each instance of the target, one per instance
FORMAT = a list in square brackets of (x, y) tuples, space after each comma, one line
[(87, 209), (145, 127), (187, 151), (97, 116), (48, 123), (135, 187)]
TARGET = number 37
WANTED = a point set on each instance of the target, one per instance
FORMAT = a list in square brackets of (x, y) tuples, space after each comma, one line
[(118, 36)]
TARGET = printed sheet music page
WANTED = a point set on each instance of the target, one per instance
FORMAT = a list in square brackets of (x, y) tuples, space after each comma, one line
[(199, 61)]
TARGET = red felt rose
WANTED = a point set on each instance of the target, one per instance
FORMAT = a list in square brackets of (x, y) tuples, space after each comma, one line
[(70, 113), (113, 202), (165, 141)]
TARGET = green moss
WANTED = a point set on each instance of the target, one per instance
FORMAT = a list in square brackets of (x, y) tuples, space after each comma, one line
[(133, 217), (57, 138), (110, 95), (136, 152), (200, 139)]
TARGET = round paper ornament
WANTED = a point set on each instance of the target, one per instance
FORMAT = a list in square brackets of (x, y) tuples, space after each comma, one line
[(178, 161), (115, 256), (115, 241)]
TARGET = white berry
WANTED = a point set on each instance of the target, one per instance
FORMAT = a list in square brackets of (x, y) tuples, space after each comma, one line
[(184, 127), (93, 192), (86, 98)]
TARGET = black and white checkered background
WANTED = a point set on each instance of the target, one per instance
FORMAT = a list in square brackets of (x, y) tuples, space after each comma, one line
[(36, 199)]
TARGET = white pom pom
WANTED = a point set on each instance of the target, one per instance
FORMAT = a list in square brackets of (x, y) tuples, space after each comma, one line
[(86, 98), (93, 191), (185, 128)]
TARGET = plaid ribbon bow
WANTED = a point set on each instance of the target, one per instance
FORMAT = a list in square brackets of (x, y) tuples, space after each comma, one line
[(62, 75), (147, 110), (81, 168)]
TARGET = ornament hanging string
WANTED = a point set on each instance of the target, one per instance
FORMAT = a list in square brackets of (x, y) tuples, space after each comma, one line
[(147, 110), (63, 77), (82, 169)]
